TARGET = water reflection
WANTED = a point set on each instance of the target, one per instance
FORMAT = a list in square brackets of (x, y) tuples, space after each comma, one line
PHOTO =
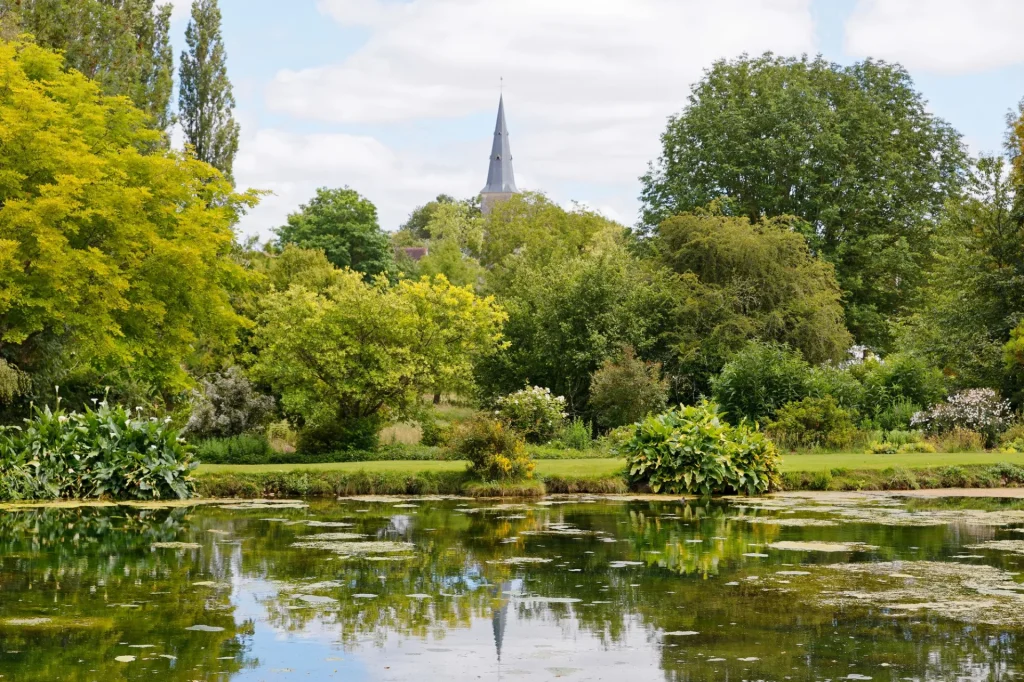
[(581, 589)]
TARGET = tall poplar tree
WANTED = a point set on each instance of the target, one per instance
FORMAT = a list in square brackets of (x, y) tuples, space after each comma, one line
[(124, 45), (205, 100)]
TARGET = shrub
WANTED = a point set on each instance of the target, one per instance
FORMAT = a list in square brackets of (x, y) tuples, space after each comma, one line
[(1007, 473), (626, 390), (575, 435), (897, 416), (900, 437), (978, 409), (435, 431), (693, 450), (353, 434), (243, 449), (226, 406), (533, 412), (899, 478), (759, 380), (884, 448), (839, 383), (960, 440), (494, 450), (953, 477), (104, 452), (812, 422), (899, 377), (918, 447)]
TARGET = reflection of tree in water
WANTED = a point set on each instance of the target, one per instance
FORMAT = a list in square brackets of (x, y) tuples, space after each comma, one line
[(78, 582), (78, 566)]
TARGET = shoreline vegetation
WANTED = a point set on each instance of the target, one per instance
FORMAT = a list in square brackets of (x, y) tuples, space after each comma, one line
[(853, 472)]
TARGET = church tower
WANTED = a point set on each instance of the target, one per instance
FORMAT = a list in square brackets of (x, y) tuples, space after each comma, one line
[(501, 183)]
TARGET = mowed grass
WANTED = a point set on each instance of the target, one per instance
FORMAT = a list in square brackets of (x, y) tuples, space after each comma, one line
[(599, 468)]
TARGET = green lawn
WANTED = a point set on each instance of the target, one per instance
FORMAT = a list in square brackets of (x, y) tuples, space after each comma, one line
[(608, 467)]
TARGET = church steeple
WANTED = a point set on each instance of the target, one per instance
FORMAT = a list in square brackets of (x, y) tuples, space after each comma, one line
[(501, 181)]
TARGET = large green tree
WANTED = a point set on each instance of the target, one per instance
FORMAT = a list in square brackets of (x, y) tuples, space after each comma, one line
[(852, 150), (205, 99), (124, 45), (115, 259), (342, 224), (568, 315), (756, 281)]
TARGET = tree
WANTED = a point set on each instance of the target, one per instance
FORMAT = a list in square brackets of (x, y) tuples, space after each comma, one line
[(124, 45), (205, 99), (343, 225), (568, 316), (115, 259), (745, 281), (358, 354), (851, 150), (975, 292), (529, 230)]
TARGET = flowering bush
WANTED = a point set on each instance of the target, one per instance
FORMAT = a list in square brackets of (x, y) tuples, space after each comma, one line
[(534, 412), (979, 409), (495, 451), (691, 449)]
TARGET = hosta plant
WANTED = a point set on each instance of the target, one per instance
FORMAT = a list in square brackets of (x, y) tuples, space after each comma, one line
[(692, 449), (104, 452)]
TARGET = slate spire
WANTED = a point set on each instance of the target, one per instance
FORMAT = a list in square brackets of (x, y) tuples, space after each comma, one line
[(500, 178)]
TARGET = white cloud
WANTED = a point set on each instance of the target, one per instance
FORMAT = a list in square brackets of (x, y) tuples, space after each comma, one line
[(943, 36), (180, 9), (292, 165), (588, 84)]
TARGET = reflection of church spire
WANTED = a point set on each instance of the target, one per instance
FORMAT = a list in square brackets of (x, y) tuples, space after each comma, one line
[(499, 618)]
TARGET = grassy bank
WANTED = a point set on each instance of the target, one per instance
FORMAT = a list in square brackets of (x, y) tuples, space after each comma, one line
[(852, 471), (599, 468)]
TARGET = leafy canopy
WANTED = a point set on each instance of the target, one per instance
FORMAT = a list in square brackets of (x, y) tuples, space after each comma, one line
[(343, 225), (366, 351), (114, 260), (124, 45), (851, 150)]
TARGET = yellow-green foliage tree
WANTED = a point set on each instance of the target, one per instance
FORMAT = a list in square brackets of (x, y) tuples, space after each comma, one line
[(353, 355), (114, 259)]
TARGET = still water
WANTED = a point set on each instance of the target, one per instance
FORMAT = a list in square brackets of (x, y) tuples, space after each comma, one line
[(828, 588)]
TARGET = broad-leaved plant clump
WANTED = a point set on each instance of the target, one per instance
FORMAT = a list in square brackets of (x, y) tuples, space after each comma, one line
[(692, 449), (494, 450), (105, 452), (535, 412), (977, 409)]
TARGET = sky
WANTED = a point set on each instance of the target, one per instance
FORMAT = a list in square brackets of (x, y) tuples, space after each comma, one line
[(397, 98)]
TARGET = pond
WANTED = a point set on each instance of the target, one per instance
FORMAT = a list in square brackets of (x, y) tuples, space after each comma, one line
[(839, 587)]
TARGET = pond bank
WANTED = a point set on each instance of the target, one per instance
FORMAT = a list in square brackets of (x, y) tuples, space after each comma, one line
[(336, 483)]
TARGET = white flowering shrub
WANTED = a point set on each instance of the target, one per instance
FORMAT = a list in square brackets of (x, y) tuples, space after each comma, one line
[(978, 409), (534, 412)]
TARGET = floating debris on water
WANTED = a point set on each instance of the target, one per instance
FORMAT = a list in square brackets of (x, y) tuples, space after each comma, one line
[(793, 546), (175, 545)]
